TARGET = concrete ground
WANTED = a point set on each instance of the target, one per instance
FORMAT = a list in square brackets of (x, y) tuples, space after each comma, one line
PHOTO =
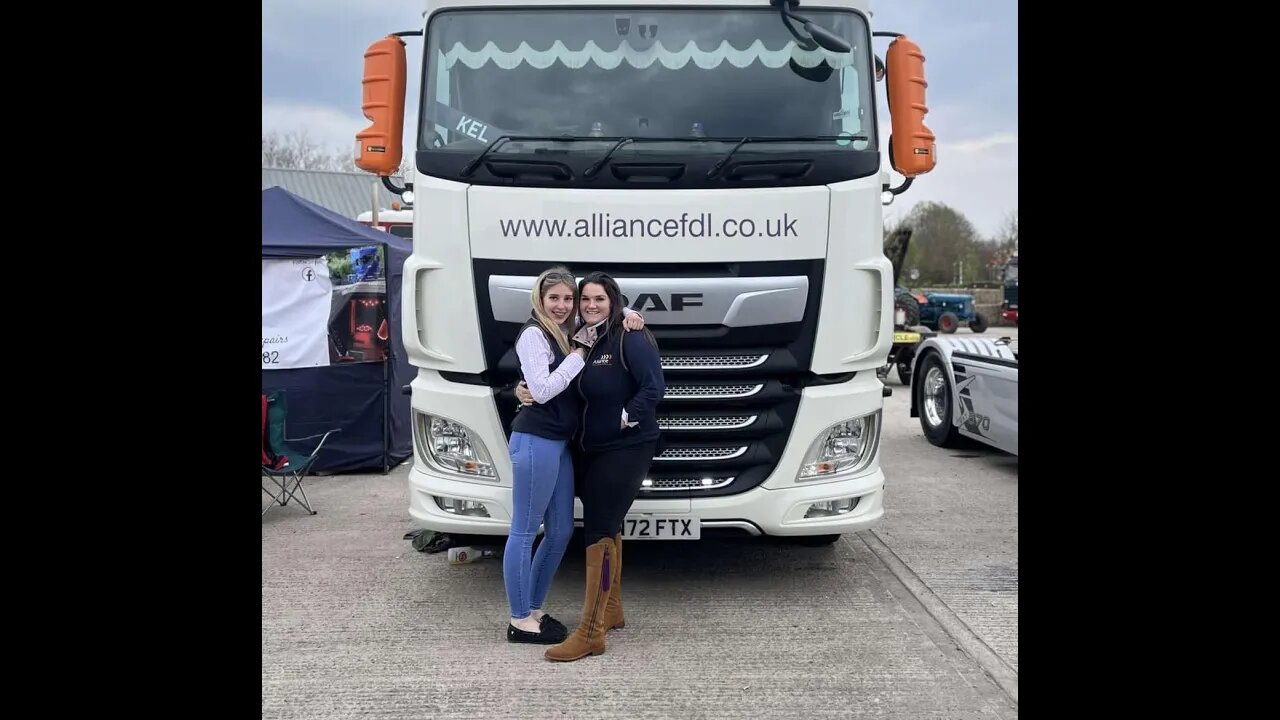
[(951, 516), (915, 619)]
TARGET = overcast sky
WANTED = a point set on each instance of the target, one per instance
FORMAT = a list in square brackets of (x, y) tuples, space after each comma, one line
[(312, 60)]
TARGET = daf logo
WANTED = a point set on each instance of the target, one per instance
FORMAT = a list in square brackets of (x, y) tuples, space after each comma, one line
[(654, 302)]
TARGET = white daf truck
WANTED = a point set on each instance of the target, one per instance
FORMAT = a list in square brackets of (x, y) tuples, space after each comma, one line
[(720, 160)]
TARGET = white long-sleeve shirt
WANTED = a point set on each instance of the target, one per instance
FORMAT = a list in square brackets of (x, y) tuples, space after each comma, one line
[(536, 357)]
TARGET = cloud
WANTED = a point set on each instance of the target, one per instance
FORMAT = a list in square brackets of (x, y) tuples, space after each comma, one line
[(313, 59), (977, 177), (291, 11), (984, 144)]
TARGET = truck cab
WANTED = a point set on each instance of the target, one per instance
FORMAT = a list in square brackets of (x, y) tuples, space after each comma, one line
[(1009, 283), (721, 161), (398, 222)]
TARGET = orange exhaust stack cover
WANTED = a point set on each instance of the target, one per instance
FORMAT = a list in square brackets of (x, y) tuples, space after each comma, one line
[(914, 147), (378, 147)]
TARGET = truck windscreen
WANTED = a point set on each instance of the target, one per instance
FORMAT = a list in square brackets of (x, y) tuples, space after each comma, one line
[(714, 75)]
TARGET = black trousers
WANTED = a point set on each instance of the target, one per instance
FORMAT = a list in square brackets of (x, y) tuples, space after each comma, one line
[(607, 483)]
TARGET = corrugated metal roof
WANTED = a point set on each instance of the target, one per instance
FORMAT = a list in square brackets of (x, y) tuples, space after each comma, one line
[(346, 193)]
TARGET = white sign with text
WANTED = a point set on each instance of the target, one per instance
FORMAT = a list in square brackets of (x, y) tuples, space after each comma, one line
[(295, 313)]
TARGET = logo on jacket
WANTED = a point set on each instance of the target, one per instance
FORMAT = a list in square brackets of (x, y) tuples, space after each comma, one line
[(605, 359)]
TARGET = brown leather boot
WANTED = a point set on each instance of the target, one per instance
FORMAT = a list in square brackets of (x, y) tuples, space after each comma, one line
[(613, 619), (588, 639)]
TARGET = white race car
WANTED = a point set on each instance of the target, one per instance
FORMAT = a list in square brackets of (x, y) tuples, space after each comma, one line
[(966, 387)]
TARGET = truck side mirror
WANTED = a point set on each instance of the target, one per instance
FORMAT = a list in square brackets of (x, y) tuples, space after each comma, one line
[(913, 149), (379, 147)]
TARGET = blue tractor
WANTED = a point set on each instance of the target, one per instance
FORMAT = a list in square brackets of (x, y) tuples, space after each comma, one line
[(943, 312)]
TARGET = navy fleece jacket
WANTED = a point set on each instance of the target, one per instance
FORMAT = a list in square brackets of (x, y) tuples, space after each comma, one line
[(608, 385)]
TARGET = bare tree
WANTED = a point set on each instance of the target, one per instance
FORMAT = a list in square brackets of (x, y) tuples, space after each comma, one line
[(1007, 238), (1003, 245), (295, 150)]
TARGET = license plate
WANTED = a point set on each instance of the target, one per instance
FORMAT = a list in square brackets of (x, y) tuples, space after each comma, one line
[(658, 527), (906, 337)]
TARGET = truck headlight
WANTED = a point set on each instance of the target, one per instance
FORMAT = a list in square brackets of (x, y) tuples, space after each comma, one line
[(842, 449), (452, 448)]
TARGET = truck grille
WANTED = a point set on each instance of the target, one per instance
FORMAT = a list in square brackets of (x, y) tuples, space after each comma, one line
[(720, 435), (734, 375)]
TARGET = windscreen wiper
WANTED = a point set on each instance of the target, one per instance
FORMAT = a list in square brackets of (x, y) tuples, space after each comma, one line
[(715, 169), (500, 140), (504, 139), (595, 167)]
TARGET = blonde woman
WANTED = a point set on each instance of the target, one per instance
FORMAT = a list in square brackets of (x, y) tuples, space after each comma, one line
[(542, 486)]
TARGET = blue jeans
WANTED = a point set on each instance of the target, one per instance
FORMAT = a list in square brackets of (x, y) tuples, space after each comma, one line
[(541, 494)]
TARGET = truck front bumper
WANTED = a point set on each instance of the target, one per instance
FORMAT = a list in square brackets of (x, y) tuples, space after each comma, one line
[(757, 511)]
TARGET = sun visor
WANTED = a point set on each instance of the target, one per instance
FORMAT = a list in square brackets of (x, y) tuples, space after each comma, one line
[(641, 58)]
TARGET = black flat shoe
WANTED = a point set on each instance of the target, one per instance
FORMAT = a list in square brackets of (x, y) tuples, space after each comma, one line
[(516, 635), (552, 626)]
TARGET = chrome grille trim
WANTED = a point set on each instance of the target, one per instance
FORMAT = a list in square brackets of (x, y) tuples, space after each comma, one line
[(700, 453), (683, 483), (751, 528), (711, 391), (712, 362), (721, 422)]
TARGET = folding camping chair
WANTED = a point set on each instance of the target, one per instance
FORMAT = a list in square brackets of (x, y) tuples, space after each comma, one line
[(281, 463)]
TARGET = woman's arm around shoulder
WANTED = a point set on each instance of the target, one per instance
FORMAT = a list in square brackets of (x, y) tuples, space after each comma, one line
[(631, 320)]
